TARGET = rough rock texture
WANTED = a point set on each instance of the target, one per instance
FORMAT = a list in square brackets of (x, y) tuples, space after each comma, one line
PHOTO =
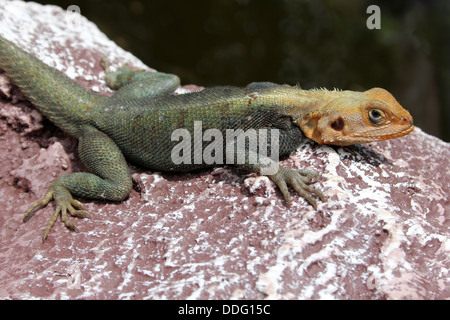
[(382, 234)]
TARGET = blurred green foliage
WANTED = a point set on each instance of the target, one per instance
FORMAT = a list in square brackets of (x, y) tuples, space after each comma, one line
[(314, 43)]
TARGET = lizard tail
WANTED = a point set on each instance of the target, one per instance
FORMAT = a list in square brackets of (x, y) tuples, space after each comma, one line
[(59, 98)]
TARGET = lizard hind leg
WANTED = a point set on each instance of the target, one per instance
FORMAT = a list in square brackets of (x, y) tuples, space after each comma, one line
[(109, 179), (137, 83)]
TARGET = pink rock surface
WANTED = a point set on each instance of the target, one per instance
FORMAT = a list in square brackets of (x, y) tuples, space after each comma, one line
[(383, 232)]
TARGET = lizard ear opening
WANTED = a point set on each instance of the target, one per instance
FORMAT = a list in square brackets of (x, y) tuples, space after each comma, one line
[(338, 124)]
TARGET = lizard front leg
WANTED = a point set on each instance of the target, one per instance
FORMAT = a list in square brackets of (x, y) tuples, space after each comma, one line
[(283, 177), (262, 164), (110, 179), (284, 139)]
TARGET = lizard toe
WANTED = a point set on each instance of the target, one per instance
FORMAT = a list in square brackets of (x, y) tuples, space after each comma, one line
[(308, 174), (304, 190), (298, 179), (39, 203), (61, 210), (81, 213), (281, 183)]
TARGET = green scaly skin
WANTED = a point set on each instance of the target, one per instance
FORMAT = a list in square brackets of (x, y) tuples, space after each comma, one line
[(136, 124)]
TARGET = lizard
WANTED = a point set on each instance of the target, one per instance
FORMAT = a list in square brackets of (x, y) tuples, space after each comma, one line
[(135, 125)]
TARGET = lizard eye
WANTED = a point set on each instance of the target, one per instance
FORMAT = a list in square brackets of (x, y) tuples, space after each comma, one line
[(376, 116)]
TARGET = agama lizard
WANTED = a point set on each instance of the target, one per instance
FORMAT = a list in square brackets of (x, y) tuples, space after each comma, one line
[(137, 122)]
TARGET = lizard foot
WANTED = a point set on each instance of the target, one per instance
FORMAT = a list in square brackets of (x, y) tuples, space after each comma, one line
[(117, 79), (298, 179), (64, 203)]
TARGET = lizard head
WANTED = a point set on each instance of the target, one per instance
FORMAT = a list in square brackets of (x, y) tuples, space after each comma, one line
[(357, 117)]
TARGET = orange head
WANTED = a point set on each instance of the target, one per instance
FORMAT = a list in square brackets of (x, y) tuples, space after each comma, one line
[(357, 117)]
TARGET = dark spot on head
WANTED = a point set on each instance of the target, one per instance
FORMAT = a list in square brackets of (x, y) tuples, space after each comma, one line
[(338, 124)]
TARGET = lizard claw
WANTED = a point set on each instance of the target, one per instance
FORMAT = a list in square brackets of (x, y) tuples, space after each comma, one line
[(64, 203), (104, 64), (308, 174), (297, 179)]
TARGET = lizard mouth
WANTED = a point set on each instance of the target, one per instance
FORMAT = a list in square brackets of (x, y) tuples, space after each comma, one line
[(398, 134), (383, 136)]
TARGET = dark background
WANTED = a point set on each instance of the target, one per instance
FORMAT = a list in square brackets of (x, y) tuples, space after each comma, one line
[(314, 43)]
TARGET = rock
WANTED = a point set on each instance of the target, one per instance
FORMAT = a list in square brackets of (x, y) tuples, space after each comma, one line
[(383, 232)]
